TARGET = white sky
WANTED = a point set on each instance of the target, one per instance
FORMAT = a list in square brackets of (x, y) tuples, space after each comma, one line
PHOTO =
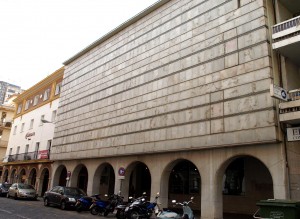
[(37, 36)]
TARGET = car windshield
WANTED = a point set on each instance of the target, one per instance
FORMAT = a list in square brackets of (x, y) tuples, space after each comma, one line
[(6, 185), (25, 186), (74, 191)]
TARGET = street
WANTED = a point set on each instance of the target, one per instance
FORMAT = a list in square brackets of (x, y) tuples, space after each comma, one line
[(27, 209)]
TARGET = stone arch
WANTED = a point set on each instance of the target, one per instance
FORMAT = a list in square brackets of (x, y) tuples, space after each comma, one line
[(5, 176), (191, 176), (243, 179), (104, 179), (22, 177), (44, 181), (13, 176), (131, 185), (32, 177), (79, 177), (60, 175)]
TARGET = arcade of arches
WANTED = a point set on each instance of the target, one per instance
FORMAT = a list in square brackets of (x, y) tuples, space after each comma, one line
[(216, 179), (37, 175)]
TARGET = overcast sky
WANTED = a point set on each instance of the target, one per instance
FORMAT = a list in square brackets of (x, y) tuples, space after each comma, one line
[(37, 36)]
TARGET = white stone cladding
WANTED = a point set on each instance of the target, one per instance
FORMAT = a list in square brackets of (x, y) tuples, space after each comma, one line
[(192, 74)]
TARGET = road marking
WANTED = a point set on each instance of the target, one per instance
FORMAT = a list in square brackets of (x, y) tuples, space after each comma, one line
[(9, 212), (22, 216)]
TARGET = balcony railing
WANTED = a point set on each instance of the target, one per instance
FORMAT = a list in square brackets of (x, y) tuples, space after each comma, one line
[(290, 110), (286, 39), (36, 155), (294, 22)]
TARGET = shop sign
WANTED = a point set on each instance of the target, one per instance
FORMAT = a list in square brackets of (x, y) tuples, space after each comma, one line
[(278, 92), (293, 134), (43, 154), (29, 134)]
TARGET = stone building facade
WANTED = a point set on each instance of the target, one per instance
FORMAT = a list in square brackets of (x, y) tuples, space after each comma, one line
[(177, 101)]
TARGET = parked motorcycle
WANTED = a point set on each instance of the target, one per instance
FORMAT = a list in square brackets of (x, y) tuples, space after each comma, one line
[(121, 209), (140, 208), (84, 203), (113, 201), (168, 214), (99, 207)]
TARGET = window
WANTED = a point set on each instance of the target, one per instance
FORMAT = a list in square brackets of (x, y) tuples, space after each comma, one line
[(22, 127), (18, 151), (53, 117), (49, 143), (36, 151), (36, 100), (46, 94), (19, 108), (15, 129), (26, 148), (42, 118), (27, 104), (57, 88), (31, 124)]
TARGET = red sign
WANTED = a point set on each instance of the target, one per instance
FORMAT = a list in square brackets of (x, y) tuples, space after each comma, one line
[(43, 154)]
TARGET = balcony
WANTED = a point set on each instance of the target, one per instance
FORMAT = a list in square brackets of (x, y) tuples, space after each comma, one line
[(290, 111), (3, 144), (286, 38), (5, 124), (36, 155)]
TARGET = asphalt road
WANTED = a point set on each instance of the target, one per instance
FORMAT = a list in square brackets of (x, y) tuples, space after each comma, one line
[(26, 209)]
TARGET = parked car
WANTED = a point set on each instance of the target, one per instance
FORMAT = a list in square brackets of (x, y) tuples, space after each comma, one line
[(4, 188), (64, 197), (21, 190)]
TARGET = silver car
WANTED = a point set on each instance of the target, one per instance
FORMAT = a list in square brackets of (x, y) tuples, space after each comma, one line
[(21, 190)]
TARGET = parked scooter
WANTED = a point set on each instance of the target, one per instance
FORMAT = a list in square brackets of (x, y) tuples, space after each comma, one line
[(84, 203), (187, 211), (140, 208)]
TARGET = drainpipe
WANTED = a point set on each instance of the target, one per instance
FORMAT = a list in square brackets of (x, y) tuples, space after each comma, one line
[(282, 126)]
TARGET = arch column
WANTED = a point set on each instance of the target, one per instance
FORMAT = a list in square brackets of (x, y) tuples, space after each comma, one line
[(211, 197), (89, 190)]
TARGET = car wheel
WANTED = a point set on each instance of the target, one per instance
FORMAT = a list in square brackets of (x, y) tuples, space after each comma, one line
[(63, 205), (46, 203)]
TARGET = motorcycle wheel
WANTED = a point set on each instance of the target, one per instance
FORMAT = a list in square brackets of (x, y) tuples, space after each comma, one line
[(134, 215), (79, 208), (106, 213), (185, 216), (95, 210), (119, 215)]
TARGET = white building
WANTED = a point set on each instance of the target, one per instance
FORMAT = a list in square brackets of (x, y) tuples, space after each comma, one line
[(27, 156)]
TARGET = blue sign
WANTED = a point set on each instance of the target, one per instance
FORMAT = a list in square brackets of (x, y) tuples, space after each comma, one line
[(121, 171)]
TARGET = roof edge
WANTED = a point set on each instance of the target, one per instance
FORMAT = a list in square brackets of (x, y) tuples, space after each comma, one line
[(121, 27)]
